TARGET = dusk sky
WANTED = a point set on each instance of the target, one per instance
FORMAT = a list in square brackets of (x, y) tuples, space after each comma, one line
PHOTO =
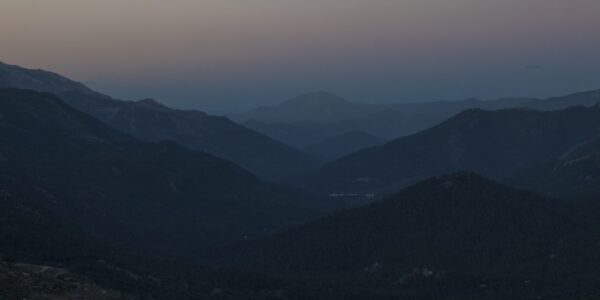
[(222, 55)]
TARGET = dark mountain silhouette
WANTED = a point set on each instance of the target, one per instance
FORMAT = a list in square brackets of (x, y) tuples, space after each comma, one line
[(494, 143), (343, 144), (154, 198), (151, 121), (443, 238)]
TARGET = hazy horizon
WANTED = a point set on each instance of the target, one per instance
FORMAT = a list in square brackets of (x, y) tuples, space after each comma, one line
[(230, 55)]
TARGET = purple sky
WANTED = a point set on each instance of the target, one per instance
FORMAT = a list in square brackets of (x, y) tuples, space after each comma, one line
[(221, 55)]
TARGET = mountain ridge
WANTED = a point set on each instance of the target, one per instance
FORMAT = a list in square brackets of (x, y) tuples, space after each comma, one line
[(153, 122), (389, 121), (494, 143)]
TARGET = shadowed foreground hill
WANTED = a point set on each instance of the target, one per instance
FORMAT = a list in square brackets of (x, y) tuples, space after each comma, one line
[(459, 236), (148, 197), (453, 237), (45, 256), (151, 121)]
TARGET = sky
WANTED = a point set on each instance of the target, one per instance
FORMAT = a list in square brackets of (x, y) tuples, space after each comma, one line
[(232, 55)]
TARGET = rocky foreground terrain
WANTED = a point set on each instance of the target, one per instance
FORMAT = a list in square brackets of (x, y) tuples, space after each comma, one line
[(39, 282)]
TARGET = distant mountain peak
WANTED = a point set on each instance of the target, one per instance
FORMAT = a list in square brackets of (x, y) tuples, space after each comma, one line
[(320, 106)]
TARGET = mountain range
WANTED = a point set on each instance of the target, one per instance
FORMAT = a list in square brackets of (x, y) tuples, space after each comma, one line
[(147, 197), (108, 199), (315, 117), (493, 143), (151, 121)]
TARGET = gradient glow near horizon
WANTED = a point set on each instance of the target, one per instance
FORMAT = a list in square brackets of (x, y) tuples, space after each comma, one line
[(221, 55)]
